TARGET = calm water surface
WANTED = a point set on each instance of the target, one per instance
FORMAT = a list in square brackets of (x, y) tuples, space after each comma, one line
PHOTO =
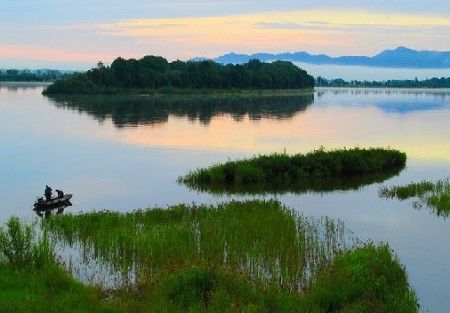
[(123, 153)]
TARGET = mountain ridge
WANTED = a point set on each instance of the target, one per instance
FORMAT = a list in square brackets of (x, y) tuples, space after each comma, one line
[(400, 57)]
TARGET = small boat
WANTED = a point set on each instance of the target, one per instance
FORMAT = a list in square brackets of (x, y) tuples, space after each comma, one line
[(43, 205)]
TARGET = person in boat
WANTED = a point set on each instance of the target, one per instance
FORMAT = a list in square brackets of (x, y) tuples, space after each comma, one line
[(48, 193), (60, 193)]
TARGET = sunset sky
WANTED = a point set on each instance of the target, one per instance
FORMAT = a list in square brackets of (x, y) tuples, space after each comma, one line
[(68, 34)]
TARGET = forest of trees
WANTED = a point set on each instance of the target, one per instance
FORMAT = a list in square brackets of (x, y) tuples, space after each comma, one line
[(14, 75), (443, 82), (155, 72)]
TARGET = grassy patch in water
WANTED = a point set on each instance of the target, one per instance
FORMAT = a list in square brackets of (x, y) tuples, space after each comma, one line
[(367, 279), (252, 256), (435, 195), (261, 238), (281, 169), (32, 281)]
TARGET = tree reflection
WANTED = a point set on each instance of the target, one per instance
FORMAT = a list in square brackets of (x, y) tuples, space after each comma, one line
[(153, 110), (319, 185)]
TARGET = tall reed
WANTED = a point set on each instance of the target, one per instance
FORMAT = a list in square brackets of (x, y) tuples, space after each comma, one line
[(21, 248), (261, 238), (435, 195)]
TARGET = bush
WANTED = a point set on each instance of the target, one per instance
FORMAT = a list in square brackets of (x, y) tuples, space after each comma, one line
[(18, 248), (15, 243)]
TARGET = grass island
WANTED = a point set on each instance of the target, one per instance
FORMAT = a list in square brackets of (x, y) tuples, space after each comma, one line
[(433, 194), (307, 169)]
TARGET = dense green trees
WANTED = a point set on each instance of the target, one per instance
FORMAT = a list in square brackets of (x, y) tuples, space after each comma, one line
[(154, 72), (31, 76)]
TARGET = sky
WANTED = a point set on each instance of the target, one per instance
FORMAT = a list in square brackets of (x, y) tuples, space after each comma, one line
[(77, 34)]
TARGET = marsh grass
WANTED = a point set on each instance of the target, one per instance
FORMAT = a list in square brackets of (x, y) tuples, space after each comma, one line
[(366, 279), (252, 256), (32, 281), (261, 238), (296, 171), (303, 185), (21, 248), (47, 289), (435, 195)]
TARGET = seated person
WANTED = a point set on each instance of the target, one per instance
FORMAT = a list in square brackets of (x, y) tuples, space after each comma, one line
[(60, 193)]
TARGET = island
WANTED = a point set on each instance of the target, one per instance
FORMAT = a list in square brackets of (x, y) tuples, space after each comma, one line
[(154, 74), (316, 169)]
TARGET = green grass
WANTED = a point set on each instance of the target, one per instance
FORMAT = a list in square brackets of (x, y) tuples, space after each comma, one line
[(291, 171), (32, 281), (252, 256), (435, 195), (367, 279), (261, 238), (47, 289)]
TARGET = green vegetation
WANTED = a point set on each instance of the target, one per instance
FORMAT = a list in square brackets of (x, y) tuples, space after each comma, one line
[(251, 256), (366, 279), (264, 239), (17, 247), (306, 171), (155, 73), (32, 281), (15, 75), (435, 195), (443, 82)]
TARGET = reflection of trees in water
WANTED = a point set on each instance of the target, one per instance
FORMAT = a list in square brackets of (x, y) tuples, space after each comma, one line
[(383, 91), (396, 100), (145, 110), (16, 86), (320, 185)]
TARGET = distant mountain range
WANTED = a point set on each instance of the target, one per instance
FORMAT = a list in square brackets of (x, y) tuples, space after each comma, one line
[(400, 57)]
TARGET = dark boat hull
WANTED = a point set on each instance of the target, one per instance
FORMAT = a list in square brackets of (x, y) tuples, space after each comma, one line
[(53, 203)]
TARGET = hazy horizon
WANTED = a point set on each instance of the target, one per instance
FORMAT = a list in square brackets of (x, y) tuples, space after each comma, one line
[(332, 71), (76, 35)]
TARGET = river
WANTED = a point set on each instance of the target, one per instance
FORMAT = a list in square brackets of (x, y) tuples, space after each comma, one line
[(123, 153)]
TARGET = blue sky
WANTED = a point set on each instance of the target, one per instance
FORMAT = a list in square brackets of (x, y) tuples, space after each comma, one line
[(78, 34)]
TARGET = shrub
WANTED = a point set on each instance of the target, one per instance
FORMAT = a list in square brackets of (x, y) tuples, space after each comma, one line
[(18, 247), (15, 243)]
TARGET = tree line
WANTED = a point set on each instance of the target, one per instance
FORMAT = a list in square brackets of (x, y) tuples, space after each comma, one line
[(155, 72), (31, 76), (443, 82)]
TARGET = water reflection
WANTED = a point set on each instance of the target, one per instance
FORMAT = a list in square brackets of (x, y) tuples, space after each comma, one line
[(20, 86), (391, 100), (322, 185), (47, 212), (153, 110)]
